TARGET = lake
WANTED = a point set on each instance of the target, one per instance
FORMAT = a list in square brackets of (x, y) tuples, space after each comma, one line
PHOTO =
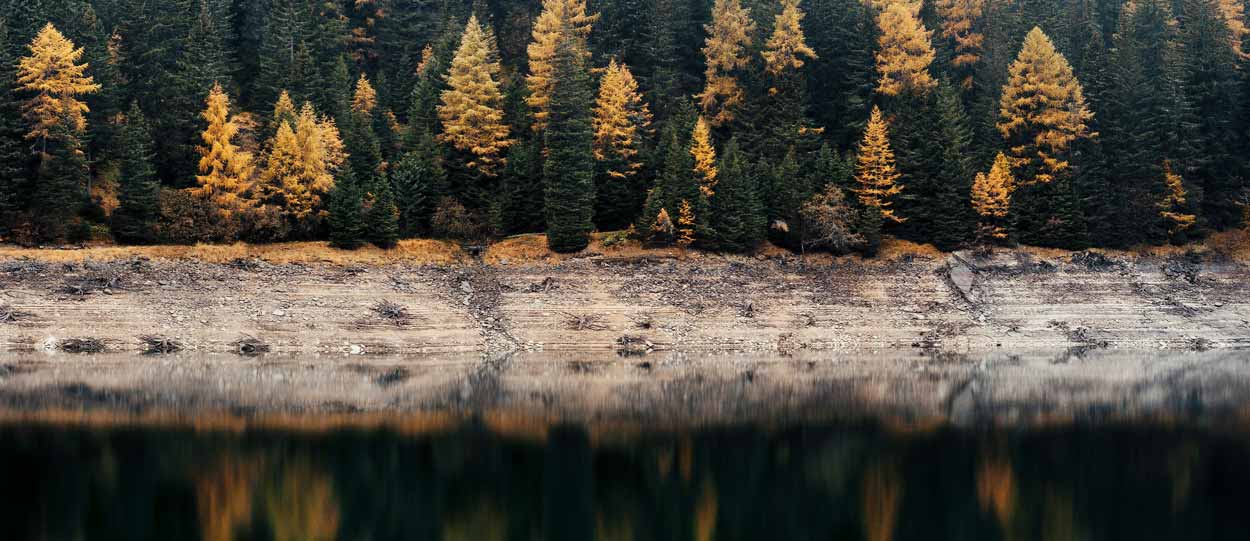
[(874, 449)]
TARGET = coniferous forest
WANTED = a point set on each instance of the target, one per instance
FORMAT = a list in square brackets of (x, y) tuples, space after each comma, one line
[(711, 124)]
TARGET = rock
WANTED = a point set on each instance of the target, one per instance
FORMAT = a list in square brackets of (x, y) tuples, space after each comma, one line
[(279, 313), (357, 349), (466, 287)]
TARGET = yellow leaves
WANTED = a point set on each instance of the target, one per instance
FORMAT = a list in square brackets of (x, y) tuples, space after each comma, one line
[(663, 224), (875, 171), (52, 73), (284, 109), (685, 225), (905, 51), (991, 197), (1172, 204), (302, 162), (783, 50), (704, 157), (365, 98), (225, 170), (725, 50), (620, 114), (1234, 13), (958, 18), (471, 110), (559, 19), (1042, 109)]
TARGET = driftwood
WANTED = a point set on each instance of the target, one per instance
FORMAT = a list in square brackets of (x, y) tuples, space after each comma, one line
[(391, 312), (584, 322), (81, 345), (153, 344), (250, 346), (9, 314)]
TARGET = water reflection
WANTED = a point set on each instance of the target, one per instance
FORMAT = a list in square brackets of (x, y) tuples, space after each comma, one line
[(743, 482)]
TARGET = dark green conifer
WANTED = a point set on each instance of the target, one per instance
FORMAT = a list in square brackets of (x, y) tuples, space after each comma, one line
[(569, 169), (139, 196), (737, 217)]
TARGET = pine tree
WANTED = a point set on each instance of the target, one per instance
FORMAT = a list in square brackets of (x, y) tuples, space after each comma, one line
[(55, 79), (737, 218), (569, 170), (14, 153), (960, 19), (471, 110), (418, 180), (621, 121), (875, 171), (704, 154), (787, 191), (842, 80), (1212, 89), (61, 180), (777, 119), (559, 20), (524, 190), (675, 182), (364, 97), (283, 53), (1043, 110), (905, 51), (203, 61), (725, 51), (991, 199), (346, 212), (931, 139), (139, 199), (225, 170), (381, 214)]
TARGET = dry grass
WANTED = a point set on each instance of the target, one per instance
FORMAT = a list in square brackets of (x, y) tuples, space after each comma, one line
[(893, 249), (416, 251)]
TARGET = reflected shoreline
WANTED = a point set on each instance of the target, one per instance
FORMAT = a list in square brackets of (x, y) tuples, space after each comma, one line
[(526, 395)]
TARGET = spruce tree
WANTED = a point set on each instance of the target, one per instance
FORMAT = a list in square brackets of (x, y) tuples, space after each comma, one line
[(843, 80), (61, 181), (418, 180), (523, 189), (737, 217), (14, 152), (203, 62), (569, 170), (139, 197), (382, 215), (559, 20), (346, 212)]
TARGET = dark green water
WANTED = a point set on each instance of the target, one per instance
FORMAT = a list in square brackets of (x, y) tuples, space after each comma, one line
[(804, 482)]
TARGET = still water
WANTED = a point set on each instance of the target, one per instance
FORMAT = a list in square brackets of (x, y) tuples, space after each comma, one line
[(467, 481)]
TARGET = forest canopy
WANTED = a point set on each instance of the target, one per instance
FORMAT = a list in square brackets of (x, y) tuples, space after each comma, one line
[(709, 124)]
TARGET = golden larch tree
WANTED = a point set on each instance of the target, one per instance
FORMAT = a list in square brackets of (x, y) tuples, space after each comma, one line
[(364, 98), (559, 18), (1234, 12), (225, 170), (1042, 110), (959, 18), (1172, 204), (471, 110), (725, 51), (785, 48), (905, 50), (704, 154), (621, 118), (302, 162), (875, 171), (284, 110), (685, 225), (662, 228), (55, 78), (991, 198), (283, 165)]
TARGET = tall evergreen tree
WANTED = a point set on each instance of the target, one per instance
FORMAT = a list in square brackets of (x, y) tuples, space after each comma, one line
[(418, 180), (139, 198), (560, 20), (61, 181), (737, 217), (621, 122), (348, 229), (569, 170), (14, 152)]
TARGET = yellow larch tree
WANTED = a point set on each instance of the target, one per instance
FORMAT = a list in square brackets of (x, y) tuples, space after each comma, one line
[(302, 162), (1042, 110), (225, 170), (559, 19), (284, 110), (905, 50), (991, 198), (471, 110), (1172, 204), (365, 98), (282, 166), (662, 228), (704, 154), (55, 78), (1234, 12), (685, 225), (875, 171), (959, 18), (725, 51), (784, 49), (621, 118)]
